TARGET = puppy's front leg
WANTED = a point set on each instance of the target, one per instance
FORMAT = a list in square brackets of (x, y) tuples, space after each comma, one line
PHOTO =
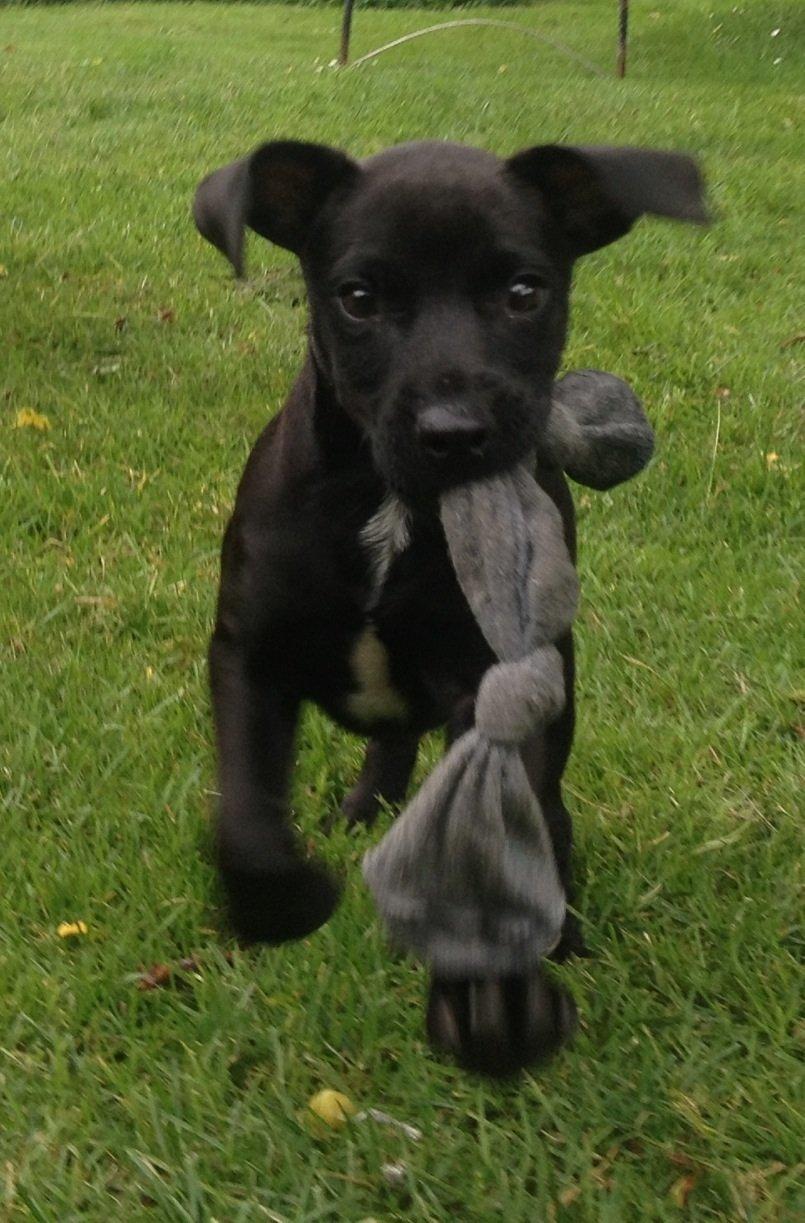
[(499, 1025), (272, 892)]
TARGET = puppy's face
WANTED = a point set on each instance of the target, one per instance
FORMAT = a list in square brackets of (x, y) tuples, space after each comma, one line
[(438, 279), (438, 310)]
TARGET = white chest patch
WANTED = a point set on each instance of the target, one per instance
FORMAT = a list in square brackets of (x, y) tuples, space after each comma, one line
[(375, 698), (385, 536)]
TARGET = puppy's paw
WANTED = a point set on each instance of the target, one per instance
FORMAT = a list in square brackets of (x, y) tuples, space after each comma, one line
[(499, 1026), (360, 807), (277, 906)]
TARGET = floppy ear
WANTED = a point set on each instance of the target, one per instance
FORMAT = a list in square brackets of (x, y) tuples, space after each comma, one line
[(277, 191), (594, 195)]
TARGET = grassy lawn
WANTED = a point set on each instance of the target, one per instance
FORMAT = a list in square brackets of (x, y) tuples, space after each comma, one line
[(155, 373)]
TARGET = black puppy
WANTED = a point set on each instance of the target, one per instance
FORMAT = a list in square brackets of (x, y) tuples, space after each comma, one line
[(438, 279)]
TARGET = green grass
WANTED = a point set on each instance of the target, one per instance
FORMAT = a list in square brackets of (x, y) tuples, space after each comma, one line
[(156, 373)]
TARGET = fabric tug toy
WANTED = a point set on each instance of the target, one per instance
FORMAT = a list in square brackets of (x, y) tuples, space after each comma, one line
[(466, 877)]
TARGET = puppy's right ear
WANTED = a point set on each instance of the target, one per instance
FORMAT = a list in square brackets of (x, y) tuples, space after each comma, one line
[(277, 191)]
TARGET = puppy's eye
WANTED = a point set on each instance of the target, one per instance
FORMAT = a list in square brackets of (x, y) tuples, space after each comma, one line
[(526, 293), (358, 301)]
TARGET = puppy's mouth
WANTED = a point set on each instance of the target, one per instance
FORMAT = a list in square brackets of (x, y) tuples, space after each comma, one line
[(422, 452)]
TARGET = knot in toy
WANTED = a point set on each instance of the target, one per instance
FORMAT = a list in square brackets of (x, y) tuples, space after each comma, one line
[(515, 698)]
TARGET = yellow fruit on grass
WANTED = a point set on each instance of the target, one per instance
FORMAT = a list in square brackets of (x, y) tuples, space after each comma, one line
[(333, 1107)]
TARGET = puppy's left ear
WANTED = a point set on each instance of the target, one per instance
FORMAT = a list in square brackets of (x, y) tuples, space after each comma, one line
[(277, 191), (594, 195)]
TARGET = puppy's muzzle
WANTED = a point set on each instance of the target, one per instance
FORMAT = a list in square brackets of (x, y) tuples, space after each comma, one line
[(429, 438)]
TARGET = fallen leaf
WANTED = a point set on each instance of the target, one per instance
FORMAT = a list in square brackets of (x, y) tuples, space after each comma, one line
[(72, 929), (166, 315), (682, 1189), (681, 1160), (723, 392), (771, 458), (332, 1107), (568, 1196), (121, 322), (155, 977), (27, 418)]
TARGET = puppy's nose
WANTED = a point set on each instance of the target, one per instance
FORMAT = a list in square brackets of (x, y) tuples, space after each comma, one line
[(445, 434)]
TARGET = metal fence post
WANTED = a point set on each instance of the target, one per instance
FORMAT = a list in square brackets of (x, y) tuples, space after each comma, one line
[(346, 30), (623, 34)]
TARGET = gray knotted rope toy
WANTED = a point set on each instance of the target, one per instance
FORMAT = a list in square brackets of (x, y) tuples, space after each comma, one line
[(466, 877)]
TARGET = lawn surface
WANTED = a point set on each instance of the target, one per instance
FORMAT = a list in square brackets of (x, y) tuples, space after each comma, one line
[(155, 373)]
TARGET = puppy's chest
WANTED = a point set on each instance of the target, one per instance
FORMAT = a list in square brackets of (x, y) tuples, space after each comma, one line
[(417, 647)]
